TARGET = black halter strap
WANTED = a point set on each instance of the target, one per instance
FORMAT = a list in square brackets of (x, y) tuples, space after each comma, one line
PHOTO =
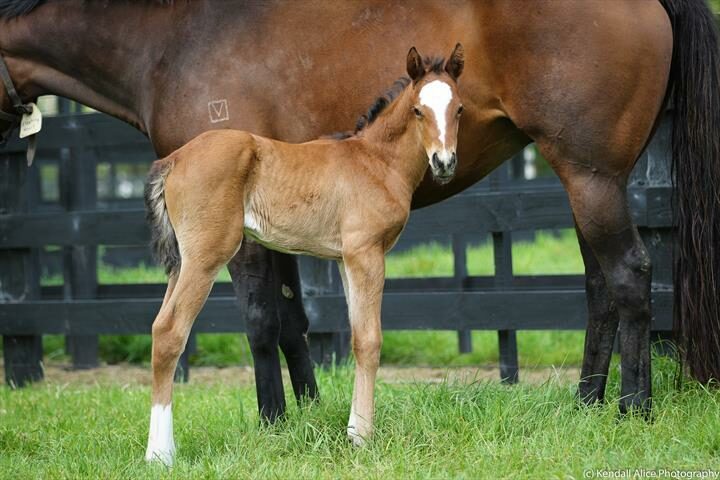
[(20, 110)]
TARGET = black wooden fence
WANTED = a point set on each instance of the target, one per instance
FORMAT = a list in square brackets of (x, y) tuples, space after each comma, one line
[(79, 222)]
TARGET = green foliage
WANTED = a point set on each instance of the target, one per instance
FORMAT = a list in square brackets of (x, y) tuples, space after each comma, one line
[(222, 350), (441, 348), (548, 254), (109, 275), (125, 348)]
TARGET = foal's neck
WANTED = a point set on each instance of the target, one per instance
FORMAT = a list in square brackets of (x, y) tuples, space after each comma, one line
[(395, 140)]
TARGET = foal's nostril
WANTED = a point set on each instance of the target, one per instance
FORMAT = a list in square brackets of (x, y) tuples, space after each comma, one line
[(436, 161), (453, 161)]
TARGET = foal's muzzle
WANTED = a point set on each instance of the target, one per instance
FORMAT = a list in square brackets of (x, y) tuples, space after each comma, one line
[(443, 166)]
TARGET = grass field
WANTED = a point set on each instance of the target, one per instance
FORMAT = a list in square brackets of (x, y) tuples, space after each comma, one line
[(549, 253), (445, 430)]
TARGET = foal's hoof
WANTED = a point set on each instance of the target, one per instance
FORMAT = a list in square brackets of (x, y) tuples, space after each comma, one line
[(160, 456), (355, 437)]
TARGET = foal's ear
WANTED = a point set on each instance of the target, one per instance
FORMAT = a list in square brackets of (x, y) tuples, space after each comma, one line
[(414, 64), (455, 64)]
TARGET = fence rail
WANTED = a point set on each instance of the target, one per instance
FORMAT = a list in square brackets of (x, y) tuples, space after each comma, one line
[(83, 309)]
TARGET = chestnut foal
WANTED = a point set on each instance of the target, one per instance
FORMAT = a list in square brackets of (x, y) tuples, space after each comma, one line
[(345, 199)]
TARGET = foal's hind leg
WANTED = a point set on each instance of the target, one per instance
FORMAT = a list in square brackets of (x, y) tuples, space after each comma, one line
[(602, 327), (170, 331), (199, 266)]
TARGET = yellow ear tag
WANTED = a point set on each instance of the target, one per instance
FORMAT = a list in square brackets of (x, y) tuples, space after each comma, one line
[(31, 123)]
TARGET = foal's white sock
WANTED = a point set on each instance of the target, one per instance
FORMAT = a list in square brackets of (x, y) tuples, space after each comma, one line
[(161, 445), (353, 429)]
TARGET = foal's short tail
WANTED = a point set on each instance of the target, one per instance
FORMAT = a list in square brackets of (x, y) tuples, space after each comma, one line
[(695, 83), (164, 242)]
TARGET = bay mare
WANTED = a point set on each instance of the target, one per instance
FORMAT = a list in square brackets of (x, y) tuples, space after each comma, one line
[(346, 200), (586, 80)]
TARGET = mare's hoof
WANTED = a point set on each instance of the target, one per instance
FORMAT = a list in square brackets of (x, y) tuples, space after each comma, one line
[(636, 405), (271, 417), (588, 397)]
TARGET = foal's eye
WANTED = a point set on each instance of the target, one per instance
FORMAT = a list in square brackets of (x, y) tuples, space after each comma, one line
[(460, 110), (417, 112)]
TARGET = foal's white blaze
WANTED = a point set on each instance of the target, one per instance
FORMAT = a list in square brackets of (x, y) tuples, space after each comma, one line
[(436, 95), (161, 445)]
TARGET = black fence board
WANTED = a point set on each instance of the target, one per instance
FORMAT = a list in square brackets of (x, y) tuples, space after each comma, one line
[(482, 310), (112, 227), (494, 212)]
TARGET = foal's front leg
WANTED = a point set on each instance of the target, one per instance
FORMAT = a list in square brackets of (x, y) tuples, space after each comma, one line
[(363, 273)]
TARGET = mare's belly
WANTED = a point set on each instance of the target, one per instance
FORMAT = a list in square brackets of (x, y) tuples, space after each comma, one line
[(302, 237)]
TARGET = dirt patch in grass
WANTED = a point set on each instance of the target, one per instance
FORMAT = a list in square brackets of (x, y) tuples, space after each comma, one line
[(392, 374), (131, 375)]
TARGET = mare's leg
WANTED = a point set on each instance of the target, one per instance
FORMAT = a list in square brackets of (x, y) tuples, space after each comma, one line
[(602, 327), (252, 278), (294, 326), (591, 118), (363, 273), (599, 203)]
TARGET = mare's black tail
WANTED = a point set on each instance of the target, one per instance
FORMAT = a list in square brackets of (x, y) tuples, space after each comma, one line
[(695, 84)]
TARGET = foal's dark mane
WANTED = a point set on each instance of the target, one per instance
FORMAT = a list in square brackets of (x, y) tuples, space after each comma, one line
[(431, 64), (16, 8)]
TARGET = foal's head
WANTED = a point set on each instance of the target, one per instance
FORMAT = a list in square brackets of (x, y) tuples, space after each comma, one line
[(437, 108)]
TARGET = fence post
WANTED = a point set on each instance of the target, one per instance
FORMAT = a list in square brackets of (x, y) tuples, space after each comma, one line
[(182, 371), (321, 277), (460, 273), (507, 339), (502, 251), (78, 191), (19, 281), (652, 174)]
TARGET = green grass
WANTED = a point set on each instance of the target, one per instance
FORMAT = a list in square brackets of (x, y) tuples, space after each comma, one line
[(549, 253), (447, 430)]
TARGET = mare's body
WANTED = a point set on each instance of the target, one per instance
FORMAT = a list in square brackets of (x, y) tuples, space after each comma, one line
[(585, 80)]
